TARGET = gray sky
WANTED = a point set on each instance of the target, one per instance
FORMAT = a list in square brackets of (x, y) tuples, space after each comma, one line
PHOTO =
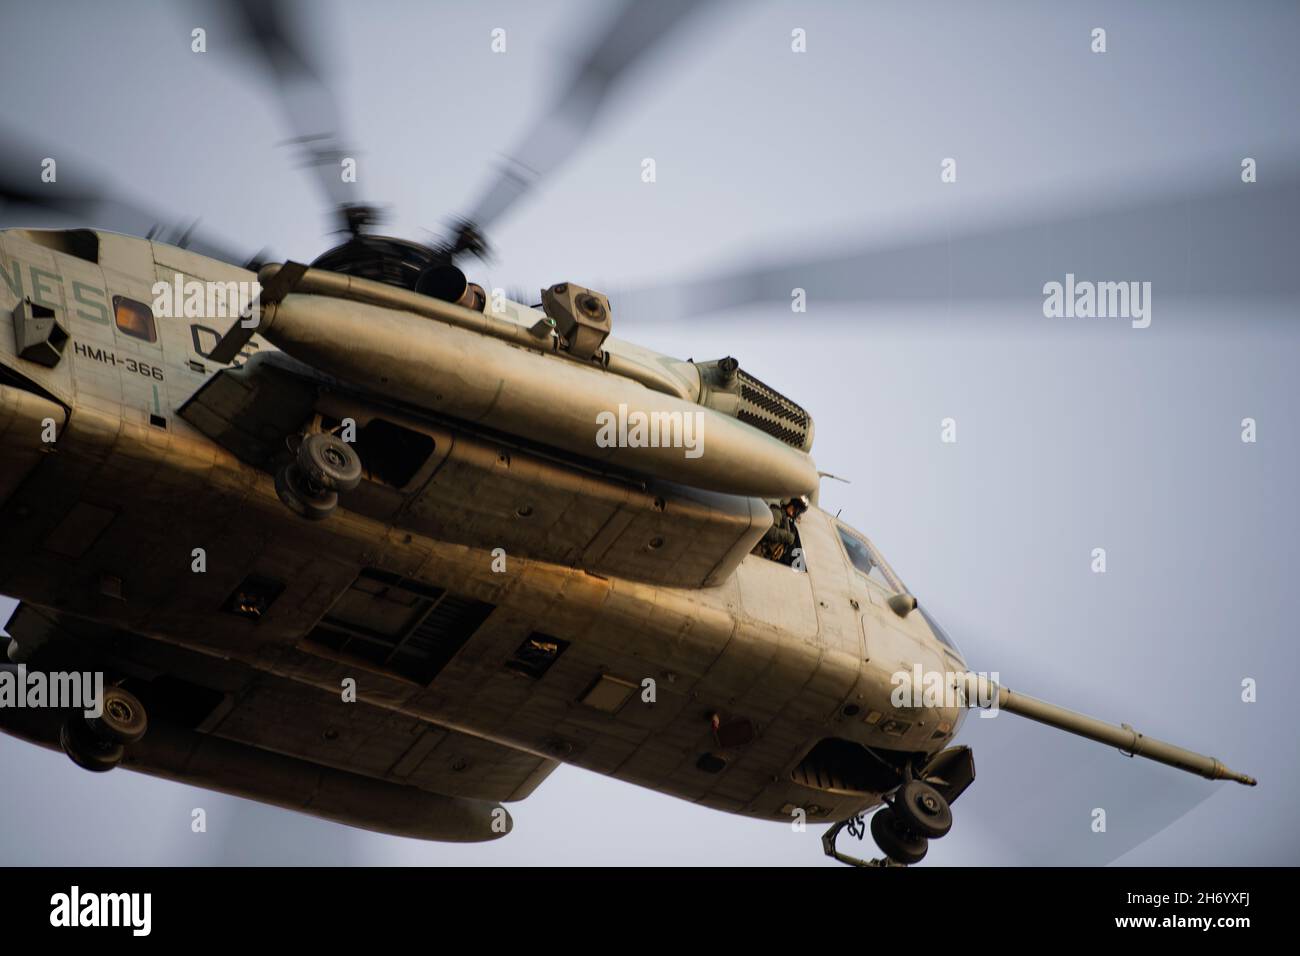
[(1072, 434)]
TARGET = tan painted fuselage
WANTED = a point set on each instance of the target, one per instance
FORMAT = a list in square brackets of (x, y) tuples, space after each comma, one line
[(102, 524)]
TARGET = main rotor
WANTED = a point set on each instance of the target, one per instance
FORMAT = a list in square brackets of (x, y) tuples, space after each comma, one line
[(271, 35)]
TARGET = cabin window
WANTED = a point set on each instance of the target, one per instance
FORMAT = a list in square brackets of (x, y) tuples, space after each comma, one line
[(781, 543), (135, 318), (253, 597), (534, 657)]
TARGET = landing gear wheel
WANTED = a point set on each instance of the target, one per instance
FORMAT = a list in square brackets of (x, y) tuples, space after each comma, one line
[(123, 720), (302, 496), (896, 841), (329, 461), (86, 750), (922, 809)]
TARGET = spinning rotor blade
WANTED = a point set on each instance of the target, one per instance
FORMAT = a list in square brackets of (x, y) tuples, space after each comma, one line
[(272, 32), (631, 36), (1234, 240), (83, 201)]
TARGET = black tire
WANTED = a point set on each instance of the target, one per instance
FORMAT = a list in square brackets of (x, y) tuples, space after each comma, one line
[(123, 720), (895, 841), (330, 462), (923, 810), (85, 749), (300, 498)]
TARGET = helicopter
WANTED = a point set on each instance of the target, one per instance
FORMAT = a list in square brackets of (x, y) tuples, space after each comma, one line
[(350, 460)]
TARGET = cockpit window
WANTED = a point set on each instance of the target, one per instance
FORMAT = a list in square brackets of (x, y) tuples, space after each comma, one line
[(864, 557), (859, 553), (939, 632)]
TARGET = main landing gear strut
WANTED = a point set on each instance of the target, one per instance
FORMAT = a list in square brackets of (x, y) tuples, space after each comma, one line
[(915, 814), (323, 466)]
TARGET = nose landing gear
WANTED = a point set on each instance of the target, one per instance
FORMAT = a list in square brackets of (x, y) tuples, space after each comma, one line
[(98, 744), (922, 809), (896, 840), (916, 814)]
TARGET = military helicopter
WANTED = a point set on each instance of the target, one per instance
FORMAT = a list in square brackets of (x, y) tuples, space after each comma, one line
[(384, 548)]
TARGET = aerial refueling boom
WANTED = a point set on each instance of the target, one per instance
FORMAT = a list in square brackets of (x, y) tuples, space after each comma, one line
[(982, 692)]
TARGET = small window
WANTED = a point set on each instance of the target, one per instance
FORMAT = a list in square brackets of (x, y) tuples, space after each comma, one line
[(864, 558), (253, 597), (135, 318), (858, 551), (536, 654)]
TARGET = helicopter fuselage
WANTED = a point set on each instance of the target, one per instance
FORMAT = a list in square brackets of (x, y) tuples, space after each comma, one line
[(765, 693)]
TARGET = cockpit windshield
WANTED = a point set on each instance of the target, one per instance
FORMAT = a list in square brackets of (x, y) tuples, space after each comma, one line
[(867, 560), (939, 632)]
